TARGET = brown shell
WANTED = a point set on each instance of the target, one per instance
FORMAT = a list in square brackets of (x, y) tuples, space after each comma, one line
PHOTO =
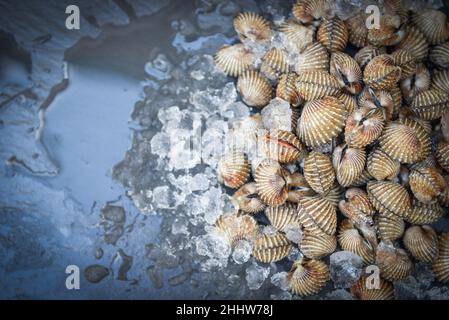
[(318, 172), (401, 143), (298, 36), (389, 198), (347, 71), (308, 277), (422, 213), (299, 188), (433, 24), (430, 104), (334, 195), (396, 94), (247, 199), (381, 73), (415, 43), (254, 88), (416, 83), (406, 61), (321, 121), (363, 179), (366, 54), (381, 166), (389, 32), (391, 227), (318, 215), (350, 239), (333, 34), (362, 292), (358, 33), (394, 263), (377, 99), (271, 248), (234, 60), (252, 26), (296, 114), (442, 155), (282, 146), (422, 242), (316, 246), (314, 57), (235, 227), (348, 164), (311, 11), (313, 85), (423, 130), (426, 183), (357, 207), (286, 89), (440, 80), (271, 182), (441, 264), (274, 63), (444, 197), (282, 217), (233, 169), (349, 101), (363, 127)]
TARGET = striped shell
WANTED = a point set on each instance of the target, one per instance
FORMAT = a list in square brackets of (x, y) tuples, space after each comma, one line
[(274, 63), (361, 291), (271, 182), (271, 248), (391, 227), (363, 179), (396, 94), (381, 73), (233, 169), (422, 242), (423, 130), (317, 215), (252, 26), (415, 43), (308, 277), (348, 164), (247, 199), (282, 146), (358, 32), (416, 83), (314, 57), (311, 11), (381, 166), (357, 207), (439, 55), (234, 60), (254, 88), (430, 104), (286, 89), (426, 183), (440, 80), (298, 37), (389, 32), (363, 126), (282, 217), (347, 71), (389, 198), (441, 264), (406, 61), (313, 85), (321, 121), (394, 263), (377, 99), (401, 143), (433, 24), (298, 188), (333, 34), (442, 155), (235, 227), (316, 246), (444, 197), (422, 213), (319, 172), (350, 239), (366, 54), (349, 101)]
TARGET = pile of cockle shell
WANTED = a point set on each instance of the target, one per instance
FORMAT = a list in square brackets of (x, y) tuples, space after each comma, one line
[(366, 164)]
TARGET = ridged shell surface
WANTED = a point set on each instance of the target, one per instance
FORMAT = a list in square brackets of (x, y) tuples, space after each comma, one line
[(254, 88), (282, 146), (401, 143), (271, 248), (421, 242), (250, 25), (389, 198), (394, 263), (308, 277), (318, 172), (430, 104), (313, 85), (422, 213), (236, 227), (286, 89), (318, 215), (347, 71), (282, 217), (358, 32), (426, 183), (391, 227), (314, 58), (406, 61), (271, 182), (433, 24), (348, 164), (366, 54), (316, 246), (440, 80), (363, 126), (381, 73), (333, 34), (362, 292), (247, 199), (415, 43), (441, 265), (274, 63), (381, 166), (233, 169), (350, 239), (234, 60), (298, 36)]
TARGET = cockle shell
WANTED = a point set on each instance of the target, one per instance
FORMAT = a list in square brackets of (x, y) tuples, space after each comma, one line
[(433, 24), (401, 143), (430, 104), (234, 60), (271, 182), (317, 215), (423, 213), (321, 121), (381, 166), (441, 264), (247, 199), (274, 63), (442, 155), (254, 88), (235, 227), (252, 26), (363, 126), (366, 54), (313, 85), (440, 80), (389, 198), (333, 34), (317, 246), (271, 248), (396, 94), (298, 37), (347, 71), (362, 292), (282, 146), (350, 239), (422, 242), (282, 217), (391, 227), (319, 172), (311, 11), (233, 169), (349, 101), (358, 32), (426, 183), (362, 180), (298, 188), (394, 263), (334, 195), (377, 99), (296, 114), (396, 7), (415, 43), (416, 83), (423, 130), (286, 89), (444, 197), (357, 207), (348, 164), (307, 277), (381, 73), (389, 33), (406, 61), (314, 57)]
